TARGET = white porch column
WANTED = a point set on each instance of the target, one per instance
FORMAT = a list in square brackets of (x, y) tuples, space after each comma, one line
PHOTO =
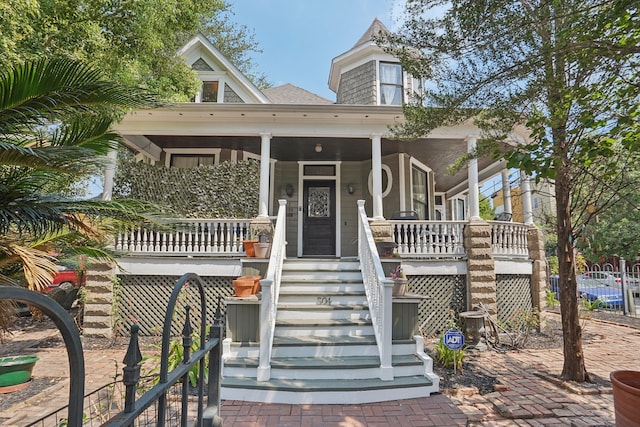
[(376, 167), (474, 186), (109, 175), (527, 209), (506, 192), (265, 161)]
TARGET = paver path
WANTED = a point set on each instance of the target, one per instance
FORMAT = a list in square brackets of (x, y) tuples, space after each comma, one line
[(527, 395)]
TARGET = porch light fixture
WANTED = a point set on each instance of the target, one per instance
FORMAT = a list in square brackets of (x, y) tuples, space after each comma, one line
[(318, 148), (351, 188), (289, 190)]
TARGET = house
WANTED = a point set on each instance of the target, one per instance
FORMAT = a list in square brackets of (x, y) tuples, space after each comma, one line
[(332, 183), (543, 201)]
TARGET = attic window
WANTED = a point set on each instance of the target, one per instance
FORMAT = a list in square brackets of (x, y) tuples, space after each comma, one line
[(210, 91), (390, 84)]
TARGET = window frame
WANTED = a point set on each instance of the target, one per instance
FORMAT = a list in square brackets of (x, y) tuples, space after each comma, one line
[(382, 84), (215, 152)]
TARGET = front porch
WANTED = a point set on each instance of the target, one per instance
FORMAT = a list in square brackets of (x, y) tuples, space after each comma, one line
[(451, 266)]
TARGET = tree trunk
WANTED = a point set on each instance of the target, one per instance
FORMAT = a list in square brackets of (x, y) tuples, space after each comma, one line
[(574, 368)]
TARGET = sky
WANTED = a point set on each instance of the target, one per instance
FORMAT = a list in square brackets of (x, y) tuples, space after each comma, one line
[(299, 38)]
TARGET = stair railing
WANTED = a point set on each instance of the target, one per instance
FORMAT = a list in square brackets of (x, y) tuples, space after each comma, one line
[(379, 289), (270, 292)]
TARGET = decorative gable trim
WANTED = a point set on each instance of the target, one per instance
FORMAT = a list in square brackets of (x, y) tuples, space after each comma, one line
[(201, 65), (199, 47)]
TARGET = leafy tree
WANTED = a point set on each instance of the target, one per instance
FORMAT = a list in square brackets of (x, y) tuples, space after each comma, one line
[(55, 118), (132, 42), (567, 70), (486, 210), (614, 231)]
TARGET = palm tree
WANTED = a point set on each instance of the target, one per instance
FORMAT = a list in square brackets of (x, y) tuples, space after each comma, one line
[(55, 119)]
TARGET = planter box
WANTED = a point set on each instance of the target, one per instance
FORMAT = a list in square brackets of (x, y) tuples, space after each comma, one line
[(243, 319)]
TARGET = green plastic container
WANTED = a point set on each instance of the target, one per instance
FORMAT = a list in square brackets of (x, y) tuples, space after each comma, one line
[(16, 369)]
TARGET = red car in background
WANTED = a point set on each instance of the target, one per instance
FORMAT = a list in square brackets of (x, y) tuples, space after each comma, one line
[(65, 285)]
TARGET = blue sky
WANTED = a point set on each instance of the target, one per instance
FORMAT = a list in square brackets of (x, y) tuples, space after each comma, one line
[(299, 38)]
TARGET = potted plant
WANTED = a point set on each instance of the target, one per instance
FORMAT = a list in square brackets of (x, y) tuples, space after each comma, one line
[(399, 281), (385, 249)]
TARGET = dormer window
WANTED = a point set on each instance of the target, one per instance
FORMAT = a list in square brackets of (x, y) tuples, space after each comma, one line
[(390, 84), (210, 91)]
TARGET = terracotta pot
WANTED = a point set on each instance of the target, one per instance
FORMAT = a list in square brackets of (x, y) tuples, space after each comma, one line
[(262, 249), (256, 283), (399, 287), (243, 286), (626, 397), (248, 247)]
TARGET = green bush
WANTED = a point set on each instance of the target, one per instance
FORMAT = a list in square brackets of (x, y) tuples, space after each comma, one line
[(445, 356)]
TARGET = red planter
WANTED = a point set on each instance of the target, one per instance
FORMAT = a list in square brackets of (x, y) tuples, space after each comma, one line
[(626, 397)]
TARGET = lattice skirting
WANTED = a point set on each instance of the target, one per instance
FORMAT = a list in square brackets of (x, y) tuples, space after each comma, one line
[(143, 300), (513, 295), (445, 295)]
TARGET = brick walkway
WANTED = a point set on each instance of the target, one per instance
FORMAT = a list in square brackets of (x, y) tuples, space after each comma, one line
[(527, 395)]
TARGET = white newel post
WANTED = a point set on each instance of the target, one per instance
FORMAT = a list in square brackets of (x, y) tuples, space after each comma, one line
[(527, 209), (263, 372), (506, 192), (376, 167), (109, 175), (386, 363), (265, 156), (474, 187)]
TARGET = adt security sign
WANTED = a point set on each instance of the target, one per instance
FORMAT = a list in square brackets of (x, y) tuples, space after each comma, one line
[(453, 339)]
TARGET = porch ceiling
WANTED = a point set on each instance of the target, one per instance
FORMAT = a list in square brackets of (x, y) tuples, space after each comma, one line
[(436, 153)]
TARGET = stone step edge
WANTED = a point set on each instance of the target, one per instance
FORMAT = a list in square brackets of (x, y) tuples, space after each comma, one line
[(304, 386)]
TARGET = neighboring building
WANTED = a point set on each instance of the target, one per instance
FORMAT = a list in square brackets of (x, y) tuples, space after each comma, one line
[(335, 176), (543, 202)]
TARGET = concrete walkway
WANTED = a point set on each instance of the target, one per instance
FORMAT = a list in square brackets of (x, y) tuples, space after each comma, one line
[(527, 394)]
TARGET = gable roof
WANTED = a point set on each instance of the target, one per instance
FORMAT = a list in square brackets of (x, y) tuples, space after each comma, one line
[(290, 94), (199, 43)]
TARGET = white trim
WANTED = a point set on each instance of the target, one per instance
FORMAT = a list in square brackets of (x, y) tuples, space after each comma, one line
[(301, 179), (402, 185), (171, 151), (246, 155), (428, 171), (386, 191)]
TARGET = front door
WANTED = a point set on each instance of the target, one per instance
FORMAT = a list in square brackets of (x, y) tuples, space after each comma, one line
[(319, 218)]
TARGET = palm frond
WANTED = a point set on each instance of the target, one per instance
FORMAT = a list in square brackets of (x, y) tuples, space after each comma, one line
[(55, 88)]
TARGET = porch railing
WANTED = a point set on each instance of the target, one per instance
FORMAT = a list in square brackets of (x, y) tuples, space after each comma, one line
[(378, 289), (429, 238), (187, 236), (270, 292), (509, 239)]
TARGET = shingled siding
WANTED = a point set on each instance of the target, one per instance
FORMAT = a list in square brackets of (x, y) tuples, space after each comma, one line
[(230, 96), (358, 86)]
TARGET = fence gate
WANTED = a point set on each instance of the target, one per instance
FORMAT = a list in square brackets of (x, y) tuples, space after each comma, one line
[(166, 402)]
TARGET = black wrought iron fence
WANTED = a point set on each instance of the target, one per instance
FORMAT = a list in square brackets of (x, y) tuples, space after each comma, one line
[(165, 400)]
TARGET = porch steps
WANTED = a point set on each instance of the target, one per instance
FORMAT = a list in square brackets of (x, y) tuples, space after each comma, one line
[(324, 349)]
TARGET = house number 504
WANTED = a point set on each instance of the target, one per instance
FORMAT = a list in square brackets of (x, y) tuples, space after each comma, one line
[(324, 301)]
